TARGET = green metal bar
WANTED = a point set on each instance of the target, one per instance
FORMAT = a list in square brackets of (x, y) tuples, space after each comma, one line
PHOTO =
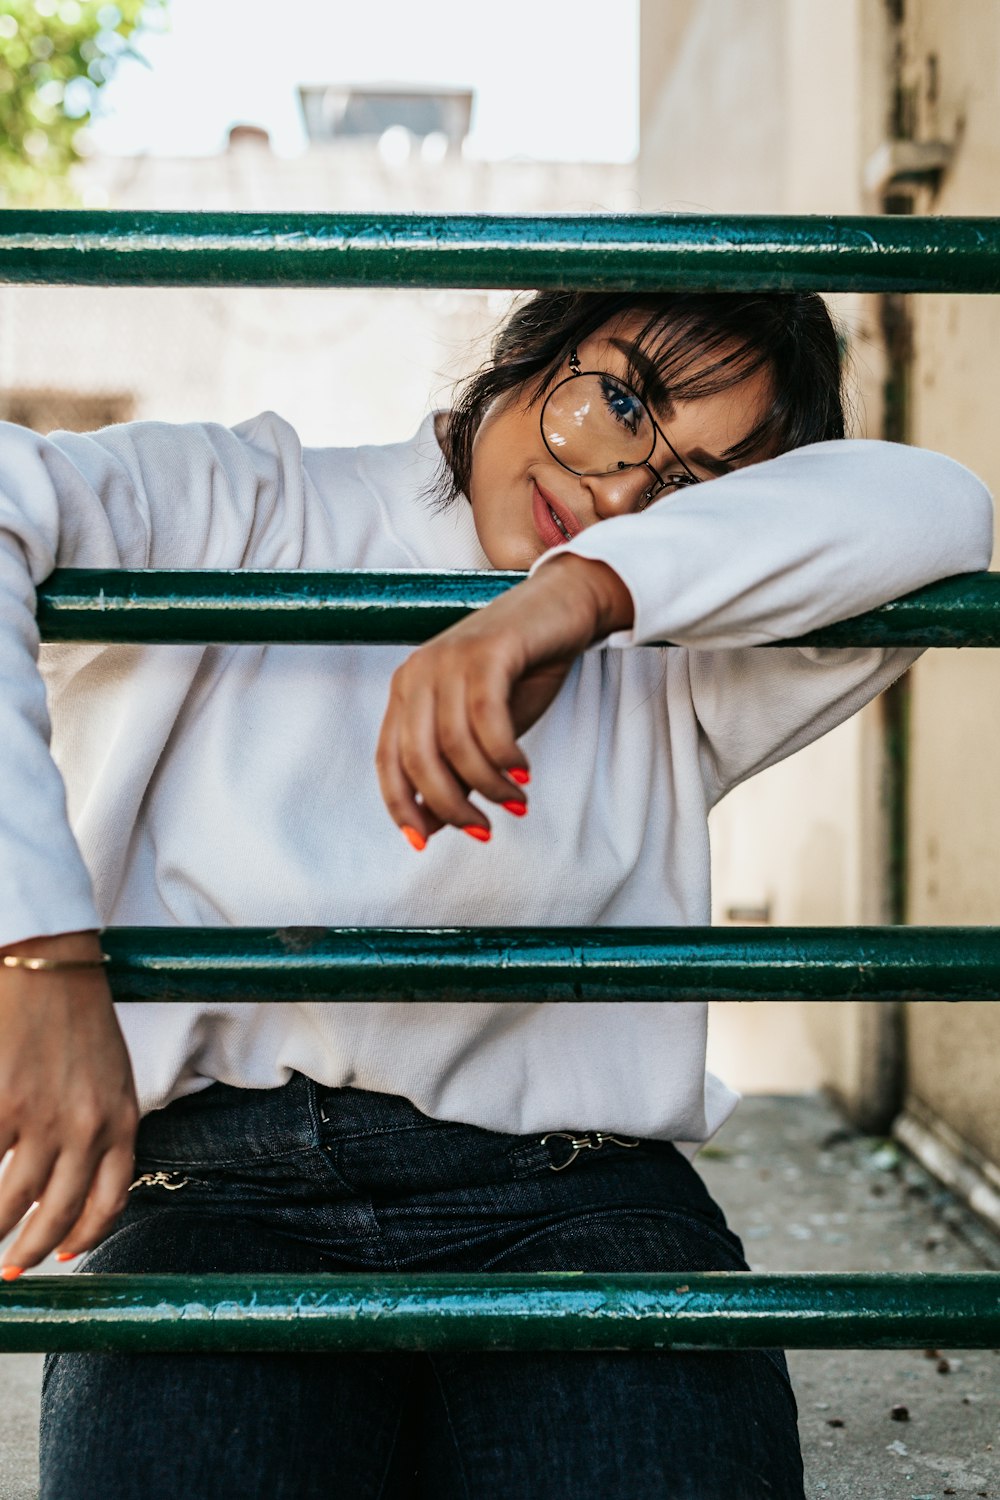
[(596, 252), (160, 606), (501, 1310), (404, 607), (554, 963)]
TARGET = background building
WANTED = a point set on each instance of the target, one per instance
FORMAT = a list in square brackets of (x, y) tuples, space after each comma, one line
[(344, 366)]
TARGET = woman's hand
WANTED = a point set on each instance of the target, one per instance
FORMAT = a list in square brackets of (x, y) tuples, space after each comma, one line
[(68, 1109), (459, 703)]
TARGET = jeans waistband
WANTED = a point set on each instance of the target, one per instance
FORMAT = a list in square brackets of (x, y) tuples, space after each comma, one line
[(377, 1135)]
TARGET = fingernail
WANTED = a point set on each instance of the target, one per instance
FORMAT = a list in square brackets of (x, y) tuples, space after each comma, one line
[(11, 1273), (517, 808), (416, 839), (522, 777), (67, 1254), (475, 832)]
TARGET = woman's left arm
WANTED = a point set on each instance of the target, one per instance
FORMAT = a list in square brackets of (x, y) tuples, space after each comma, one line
[(763, 554)]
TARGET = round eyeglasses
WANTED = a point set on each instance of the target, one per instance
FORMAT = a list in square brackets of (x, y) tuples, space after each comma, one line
[(593, 423)]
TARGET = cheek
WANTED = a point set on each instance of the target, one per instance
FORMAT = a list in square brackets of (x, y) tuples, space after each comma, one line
[(499, 472)]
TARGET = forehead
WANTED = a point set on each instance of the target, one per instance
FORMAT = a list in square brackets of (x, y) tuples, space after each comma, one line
[(706, 425), (621, 349)]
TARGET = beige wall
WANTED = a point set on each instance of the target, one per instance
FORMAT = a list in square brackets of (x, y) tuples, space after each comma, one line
[(777, 107), (718, 104), (954, 795), (758, 109)]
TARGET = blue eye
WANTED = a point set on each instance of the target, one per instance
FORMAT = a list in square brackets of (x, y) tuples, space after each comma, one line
[(623, 405)]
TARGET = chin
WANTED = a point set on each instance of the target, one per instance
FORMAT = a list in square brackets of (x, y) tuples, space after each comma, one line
[(511, 554)]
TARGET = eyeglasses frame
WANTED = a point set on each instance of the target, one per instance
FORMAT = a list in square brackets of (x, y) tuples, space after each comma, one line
[(661, 481)]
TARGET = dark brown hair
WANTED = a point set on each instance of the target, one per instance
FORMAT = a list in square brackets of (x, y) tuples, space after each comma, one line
[(695, 344)]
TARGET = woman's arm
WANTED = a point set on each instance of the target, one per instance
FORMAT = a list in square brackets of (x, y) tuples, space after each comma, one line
[(146, 494), (140, 495), (67, 1102), (762, 554), (779, 549)]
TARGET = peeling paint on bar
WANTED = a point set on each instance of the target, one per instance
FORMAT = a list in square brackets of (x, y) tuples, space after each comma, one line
[(501, 1310), (598, 251)]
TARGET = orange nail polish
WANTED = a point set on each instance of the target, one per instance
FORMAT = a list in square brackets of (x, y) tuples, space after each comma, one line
[(67, 1254), (517, 808), (11, 1273), (475, 832), (416, 839), (520, 776)]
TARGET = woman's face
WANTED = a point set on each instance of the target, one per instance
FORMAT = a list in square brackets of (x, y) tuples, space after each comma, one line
[(516, 483)]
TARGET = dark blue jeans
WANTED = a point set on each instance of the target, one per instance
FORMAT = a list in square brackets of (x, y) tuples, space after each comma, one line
[(310, 1179)]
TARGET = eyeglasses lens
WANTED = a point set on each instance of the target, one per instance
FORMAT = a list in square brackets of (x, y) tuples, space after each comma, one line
[(594, 425)]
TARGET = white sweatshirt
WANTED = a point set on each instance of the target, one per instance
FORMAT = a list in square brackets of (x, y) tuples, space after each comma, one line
[(235, 784)]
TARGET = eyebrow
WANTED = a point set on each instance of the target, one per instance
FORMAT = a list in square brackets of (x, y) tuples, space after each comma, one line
[(652, 381), (657, 392)]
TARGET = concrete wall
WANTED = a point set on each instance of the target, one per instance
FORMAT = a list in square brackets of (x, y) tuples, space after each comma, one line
[(777, 107), (949, 67), (758, 109)]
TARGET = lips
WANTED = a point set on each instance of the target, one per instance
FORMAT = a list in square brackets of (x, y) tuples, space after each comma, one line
[(555, 523)]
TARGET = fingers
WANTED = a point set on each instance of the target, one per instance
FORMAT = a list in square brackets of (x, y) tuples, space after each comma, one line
[(106, 1200), (25, 1174), (428, 766), (75, 1206), (470, 727), (416, 821), (487, 704), (450, 725), (68, 1111), (58, 1187), (447, 734)]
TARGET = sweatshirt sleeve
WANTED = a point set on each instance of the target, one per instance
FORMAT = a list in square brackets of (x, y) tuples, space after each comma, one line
[(145, 494), (778, 549)]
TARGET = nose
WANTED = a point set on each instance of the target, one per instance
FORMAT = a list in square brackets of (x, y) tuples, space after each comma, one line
[(617, 494)]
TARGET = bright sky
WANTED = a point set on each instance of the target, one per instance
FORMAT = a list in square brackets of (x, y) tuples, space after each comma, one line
[(557, 80)]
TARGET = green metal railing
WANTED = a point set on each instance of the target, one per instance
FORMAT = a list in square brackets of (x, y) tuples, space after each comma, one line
[(556, 1310), (401, 607), (554, 964), (502, 1310), (594, 252)]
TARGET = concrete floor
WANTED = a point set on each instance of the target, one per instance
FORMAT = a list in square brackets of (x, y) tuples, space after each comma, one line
[(805, 1193)]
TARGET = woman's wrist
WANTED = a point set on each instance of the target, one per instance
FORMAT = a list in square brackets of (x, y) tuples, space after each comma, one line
[(65, 947), (611, 603)]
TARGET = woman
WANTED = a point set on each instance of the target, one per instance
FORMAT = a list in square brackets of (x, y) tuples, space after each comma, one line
[(669, 468)]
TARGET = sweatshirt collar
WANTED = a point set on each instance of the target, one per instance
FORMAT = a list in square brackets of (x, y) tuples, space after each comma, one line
[(402, 476)]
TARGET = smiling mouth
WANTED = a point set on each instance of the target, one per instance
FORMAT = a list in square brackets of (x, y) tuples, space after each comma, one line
[(558, 522), (554, 522)]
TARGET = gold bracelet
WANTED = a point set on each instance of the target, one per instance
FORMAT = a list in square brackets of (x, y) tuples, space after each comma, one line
[(17, 961)]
